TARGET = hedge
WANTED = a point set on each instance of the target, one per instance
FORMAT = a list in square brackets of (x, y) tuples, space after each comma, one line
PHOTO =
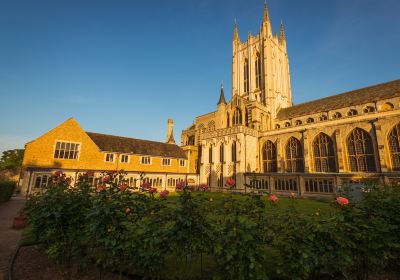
[(6, 190)]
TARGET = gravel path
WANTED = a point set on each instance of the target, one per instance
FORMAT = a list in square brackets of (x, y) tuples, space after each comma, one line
[(9, 238)]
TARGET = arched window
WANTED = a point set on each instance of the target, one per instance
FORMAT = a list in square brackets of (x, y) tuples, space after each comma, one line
[(221, 153), (246, 75), (310, 120), (246, 117), (394, 147), (233, 154), (190, 140), (287, 124), (369, 109), (227, 120), (258, 71), (220, 180), (387, 106), (323, 118), (352, 112), (277, 126), (211, 125), (210, 155), (294, 156), (299, 122), (324, 154), (269, 157), (237, 117), (361, 151), (337, 115)]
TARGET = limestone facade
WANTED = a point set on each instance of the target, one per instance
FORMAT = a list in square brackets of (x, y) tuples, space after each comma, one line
[(270, 145)]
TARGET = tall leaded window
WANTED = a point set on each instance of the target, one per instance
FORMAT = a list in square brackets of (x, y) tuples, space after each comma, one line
[(210, 155), (394, 147), (66, 150), (294, 156), (246, 76), (258, 71), (221, 153), (227, 120), (233, 155), (237, 117), (324, 154), (269, 157), (361, 151)]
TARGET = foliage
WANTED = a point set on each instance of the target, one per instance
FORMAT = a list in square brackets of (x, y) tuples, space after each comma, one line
[(6, 190), (140, 231), (11, 159)]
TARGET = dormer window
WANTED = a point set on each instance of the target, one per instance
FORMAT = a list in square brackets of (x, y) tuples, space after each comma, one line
[(369, 109), (352, 112), (299, 122), (337, 115), (323, 118), (287, 124), (310, 120), (277, 126), (109, 158)]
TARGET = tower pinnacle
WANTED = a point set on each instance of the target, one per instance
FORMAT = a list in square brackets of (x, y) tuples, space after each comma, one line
[(222, 96), (235, 32), (266, 16), (282, 34)]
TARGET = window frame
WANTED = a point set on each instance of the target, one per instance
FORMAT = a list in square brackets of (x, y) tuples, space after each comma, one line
[(124, 155), (168, 160), (78, 151), (113, 157), (145, 163)]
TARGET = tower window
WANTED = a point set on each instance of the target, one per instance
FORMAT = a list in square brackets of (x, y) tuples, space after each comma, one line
[(237, 117), (258, 71), (246, 75)]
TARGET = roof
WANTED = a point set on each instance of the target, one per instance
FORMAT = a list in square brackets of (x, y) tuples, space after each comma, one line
[(118, 144), (351, 98), (221, 97)]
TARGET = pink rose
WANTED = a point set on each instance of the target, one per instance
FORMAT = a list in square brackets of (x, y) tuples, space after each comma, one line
[(180, 185), (101, 188), (164, 193), (145, 185), (152, 190), (106, 179), (273, 198), (204, 187), (342, 200), (230, 182)]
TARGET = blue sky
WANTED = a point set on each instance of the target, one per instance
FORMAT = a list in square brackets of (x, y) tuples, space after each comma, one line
[(125, 67)]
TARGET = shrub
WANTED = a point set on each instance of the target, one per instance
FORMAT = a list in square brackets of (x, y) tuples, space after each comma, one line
[(6, 190)]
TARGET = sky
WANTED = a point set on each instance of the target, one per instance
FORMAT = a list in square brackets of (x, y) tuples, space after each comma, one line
[(124, 67)]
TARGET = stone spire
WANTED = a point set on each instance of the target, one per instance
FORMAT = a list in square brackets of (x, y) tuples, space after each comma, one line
[(235, 32), (170, 133), (266, 15), (282, 35), (222, 96)]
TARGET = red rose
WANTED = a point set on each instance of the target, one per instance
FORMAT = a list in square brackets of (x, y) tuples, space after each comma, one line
[(342, 200), (273, 198)]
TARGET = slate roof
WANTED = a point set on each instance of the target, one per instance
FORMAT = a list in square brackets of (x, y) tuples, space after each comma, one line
[(351, 98), (111, 143)]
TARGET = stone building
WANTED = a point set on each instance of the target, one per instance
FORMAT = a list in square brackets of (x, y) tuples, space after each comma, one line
[(268, 144), (73, 150)]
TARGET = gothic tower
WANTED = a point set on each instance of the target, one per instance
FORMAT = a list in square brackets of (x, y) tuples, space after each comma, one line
[(260, 67)]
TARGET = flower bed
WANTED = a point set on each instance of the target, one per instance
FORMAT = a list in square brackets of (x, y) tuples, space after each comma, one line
[(204, 235)]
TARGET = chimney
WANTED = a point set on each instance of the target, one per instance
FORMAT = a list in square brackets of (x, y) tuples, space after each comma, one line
[(170, 133)]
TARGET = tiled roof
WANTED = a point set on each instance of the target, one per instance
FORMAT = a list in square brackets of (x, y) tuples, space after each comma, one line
[(111, 143), (351, 98)]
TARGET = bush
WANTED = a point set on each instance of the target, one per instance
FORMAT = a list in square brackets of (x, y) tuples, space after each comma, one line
[(140, 232), (6, 190)]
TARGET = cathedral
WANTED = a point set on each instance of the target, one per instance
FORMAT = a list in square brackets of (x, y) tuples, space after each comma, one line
[(268, 144)]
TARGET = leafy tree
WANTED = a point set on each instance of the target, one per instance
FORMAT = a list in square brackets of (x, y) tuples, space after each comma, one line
[(11, 159)]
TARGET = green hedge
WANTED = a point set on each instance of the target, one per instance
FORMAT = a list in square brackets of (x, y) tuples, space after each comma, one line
[(6, 190), (236, 237)]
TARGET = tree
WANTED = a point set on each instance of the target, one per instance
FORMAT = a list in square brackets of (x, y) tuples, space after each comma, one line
[(11, 159)]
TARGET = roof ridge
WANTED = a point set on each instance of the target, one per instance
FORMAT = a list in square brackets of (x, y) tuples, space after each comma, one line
[(346, 92), (131, 138)]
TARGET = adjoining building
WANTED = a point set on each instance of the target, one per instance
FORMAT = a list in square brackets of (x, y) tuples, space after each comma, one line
[(267, 144), (69, 148)]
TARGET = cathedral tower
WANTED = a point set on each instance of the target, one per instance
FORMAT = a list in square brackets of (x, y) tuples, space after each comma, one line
[(260, 67)]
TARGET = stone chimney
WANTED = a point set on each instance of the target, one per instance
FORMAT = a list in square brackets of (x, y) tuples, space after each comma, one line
[(170, 133)]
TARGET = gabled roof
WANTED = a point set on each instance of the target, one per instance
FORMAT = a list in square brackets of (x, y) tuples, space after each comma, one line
[(118, 144), (351, 98)]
